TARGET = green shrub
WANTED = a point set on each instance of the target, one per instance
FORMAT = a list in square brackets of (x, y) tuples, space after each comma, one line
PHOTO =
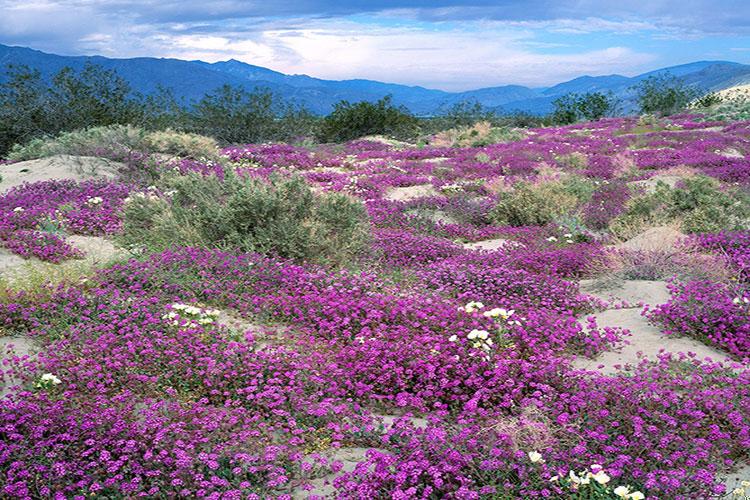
[(280, 216), (700, 205), (533, 205), (663, 95), (182, 144), (579, 186), (115, 142), (590, 106), (350, 121)]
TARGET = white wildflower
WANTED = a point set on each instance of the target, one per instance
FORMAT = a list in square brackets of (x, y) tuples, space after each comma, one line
[(50, 379), (535, 457), (473, 306), (622, 491), (18, 210)]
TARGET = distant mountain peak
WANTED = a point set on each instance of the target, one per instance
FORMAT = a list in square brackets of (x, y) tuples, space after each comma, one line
[(191, 80)]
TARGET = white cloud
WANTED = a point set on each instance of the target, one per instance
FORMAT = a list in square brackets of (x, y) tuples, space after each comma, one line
[(442, 54), (452, 59)]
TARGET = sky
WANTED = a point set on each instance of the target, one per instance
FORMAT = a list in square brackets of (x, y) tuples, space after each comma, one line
[(447, 44)]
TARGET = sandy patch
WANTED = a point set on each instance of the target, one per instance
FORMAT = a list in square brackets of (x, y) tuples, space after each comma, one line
[(9, 260), (22, 346), (630, 291), (97, 250), (645, 339), (649, 185), (488, 245), (410, 192), (57, 167), (323, 486)]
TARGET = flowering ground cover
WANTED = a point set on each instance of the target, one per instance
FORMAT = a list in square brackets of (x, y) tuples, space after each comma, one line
[(211, 373)]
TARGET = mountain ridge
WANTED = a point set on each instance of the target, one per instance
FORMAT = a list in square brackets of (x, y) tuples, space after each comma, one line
[(190, 80)]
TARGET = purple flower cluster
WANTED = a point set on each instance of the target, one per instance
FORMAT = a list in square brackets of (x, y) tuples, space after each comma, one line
[(714, 313), (210, 374), (733, 246), (29, 211)]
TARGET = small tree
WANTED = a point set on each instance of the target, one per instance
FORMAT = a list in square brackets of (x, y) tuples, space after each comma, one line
[(566, 109), (234, 115), (349, 121), (596, 105), (24, 107), (590, 106), (663, 95), (94, 96)]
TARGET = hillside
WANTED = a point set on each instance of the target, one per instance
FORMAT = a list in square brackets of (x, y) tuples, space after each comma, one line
[(190, 80)]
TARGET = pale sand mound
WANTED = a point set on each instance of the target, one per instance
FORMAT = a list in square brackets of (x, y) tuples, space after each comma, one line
[(649, 185), (97, 250), (9, 260), (731, 153), (22, 346), (660, 238), (646, 339), (410, 192), (488, 245), (323, 486), (630, 291), (436, 216), (57, 167)]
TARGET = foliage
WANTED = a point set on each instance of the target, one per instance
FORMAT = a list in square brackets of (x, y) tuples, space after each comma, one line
[(533, 205), (276, 216), (663, 95), (459, 115), (590, 106), (349, 121), (700, 206)]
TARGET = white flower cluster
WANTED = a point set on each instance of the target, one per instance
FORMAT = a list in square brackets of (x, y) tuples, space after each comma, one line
[(481, 339), (47, 381), (191, 314), (94, 201), (451, 188), (472, 307), (150, 194), (738, 301), (742, 489), (499, 312), (568, 238), (597, 474), (18, 210)]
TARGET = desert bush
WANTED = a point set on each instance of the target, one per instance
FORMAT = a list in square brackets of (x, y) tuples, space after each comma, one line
[(182, 144), (533, 205), (349, 121), (278, 216), (479, 134), (459, 115), (125, 143), (700, 205), (115, 142)]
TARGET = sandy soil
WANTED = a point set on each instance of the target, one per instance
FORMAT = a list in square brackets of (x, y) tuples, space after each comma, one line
[(56, 167), (410, 192)]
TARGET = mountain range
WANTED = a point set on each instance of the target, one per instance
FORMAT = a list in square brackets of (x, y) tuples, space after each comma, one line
[(191, 80)]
